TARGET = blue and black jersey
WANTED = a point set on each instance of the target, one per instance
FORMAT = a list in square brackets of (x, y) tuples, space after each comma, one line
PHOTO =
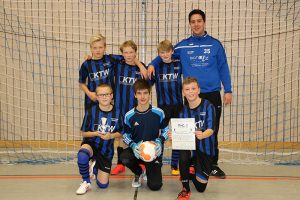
[(145, 126), (205, 118), (95, 72), (168, 82), (102, 121), (204, 58), (125, 77)]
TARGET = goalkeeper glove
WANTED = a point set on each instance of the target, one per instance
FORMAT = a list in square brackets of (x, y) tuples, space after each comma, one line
[(158, 147), (136, 149)]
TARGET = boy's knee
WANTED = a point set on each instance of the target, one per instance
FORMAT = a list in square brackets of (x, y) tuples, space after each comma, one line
[(83, 156), (154, 187), (125, 157), (200, 187), (101, 185)]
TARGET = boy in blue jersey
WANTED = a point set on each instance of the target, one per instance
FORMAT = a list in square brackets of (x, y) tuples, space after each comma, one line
[(204, 113), (168, 81), (99, 69), (144, 123), (126, 73), (204, 57), (101, 125)]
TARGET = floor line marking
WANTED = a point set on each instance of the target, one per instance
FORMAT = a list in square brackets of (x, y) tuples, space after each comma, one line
[(270, 178)]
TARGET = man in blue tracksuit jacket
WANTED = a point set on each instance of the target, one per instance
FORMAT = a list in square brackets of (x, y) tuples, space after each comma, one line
[(204, 58)]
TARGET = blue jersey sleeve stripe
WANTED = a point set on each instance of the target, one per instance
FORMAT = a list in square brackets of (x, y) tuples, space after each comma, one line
[(159, 112)]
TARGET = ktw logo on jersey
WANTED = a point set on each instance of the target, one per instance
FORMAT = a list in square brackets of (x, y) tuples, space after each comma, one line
[(168, 77), (103, 127), (99, 75), (199, 124), (127, 80)]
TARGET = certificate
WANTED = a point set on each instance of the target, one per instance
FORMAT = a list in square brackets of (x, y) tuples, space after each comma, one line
[(183, 133)]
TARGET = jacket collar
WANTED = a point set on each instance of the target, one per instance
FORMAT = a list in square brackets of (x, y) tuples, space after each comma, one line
[(200, 37)]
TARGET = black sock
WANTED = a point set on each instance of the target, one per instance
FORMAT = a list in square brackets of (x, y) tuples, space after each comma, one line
[(185, 184), (119, 151)]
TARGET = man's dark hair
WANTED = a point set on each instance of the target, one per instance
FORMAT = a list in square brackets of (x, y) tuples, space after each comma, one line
[(198, 12)]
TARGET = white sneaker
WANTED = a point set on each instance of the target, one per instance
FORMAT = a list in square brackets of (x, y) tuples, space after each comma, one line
[(83, 188), (144, 175), (136, 182), (91, 170)]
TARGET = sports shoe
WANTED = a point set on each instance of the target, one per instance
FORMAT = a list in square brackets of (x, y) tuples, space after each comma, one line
[(184, 195), (83, 188), (119, 168), (174, 171), (192, 170), (91, 170), (143, 167), (144, 175), (216, 171), (136, 182)]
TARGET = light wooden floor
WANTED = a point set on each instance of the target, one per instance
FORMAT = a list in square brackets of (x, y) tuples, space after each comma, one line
[(59, 181)]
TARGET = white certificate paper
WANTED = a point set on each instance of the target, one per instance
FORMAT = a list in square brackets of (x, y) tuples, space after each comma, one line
[(183, 133)]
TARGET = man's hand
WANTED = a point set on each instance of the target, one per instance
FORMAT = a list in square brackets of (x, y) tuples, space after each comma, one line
[(227, 98)]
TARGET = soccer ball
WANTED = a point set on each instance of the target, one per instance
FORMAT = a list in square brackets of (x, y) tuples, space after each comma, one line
[(147, 151)]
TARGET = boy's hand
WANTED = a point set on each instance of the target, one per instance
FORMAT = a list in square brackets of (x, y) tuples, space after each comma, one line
[(142, 68), (88, 57), (151, 71), (144, 73), (105, 136), (199, 135), (170, 135), (93, 96)]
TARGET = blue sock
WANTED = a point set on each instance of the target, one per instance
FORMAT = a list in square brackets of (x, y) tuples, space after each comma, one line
[(174, 159), (95, 170), (83, 158)]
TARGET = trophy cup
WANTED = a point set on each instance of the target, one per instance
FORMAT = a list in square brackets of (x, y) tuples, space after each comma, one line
[(103, 125)]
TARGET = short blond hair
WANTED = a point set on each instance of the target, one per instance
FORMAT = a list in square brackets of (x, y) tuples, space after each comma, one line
[(128, 43), (165, 45), (189, 80), (103, 85), (97, 37)]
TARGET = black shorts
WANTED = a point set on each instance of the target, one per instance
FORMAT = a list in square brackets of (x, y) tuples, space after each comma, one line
[(203, 164), (103, 163), (171, 111)]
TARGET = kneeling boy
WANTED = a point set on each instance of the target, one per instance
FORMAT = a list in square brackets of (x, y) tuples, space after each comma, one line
[(101, 125)]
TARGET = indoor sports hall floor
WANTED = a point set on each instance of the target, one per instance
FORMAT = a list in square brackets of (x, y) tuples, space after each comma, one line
[(59, 181)]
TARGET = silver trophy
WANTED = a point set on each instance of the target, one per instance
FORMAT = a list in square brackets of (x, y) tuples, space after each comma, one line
[(103, 125)]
